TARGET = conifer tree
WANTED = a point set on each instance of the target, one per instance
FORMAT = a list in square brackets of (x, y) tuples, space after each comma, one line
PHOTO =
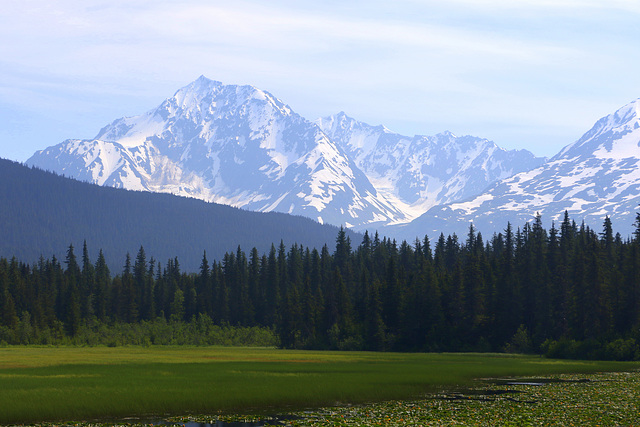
[(128, 294), (343, 251), (102, 288), (375, 329), (87, 283), (143, 288), (204, 288), (72, 307)]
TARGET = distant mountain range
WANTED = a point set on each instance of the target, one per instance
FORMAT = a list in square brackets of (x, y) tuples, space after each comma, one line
[(241, 146), (419, 172), (595, 177), (41, 214)]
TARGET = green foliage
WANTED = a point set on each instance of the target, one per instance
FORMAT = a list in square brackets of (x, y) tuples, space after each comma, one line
[(199, 331), (619, 349), (622, 349), (520, 343)]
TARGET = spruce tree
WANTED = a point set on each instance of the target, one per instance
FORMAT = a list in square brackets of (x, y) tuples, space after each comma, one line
[(87, 283), (73, 297), (102, 287)]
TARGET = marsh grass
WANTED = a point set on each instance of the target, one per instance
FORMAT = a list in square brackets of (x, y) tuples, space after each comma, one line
[(71, 383)]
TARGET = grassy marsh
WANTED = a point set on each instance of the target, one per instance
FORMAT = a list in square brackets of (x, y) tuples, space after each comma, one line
[(72, 383)]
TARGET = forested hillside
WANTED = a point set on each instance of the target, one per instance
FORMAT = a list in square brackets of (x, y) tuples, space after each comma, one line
[(42, 213), (569, 292)]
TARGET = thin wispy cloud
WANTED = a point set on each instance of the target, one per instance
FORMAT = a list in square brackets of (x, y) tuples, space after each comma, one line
[(415, 66), (571, 6)]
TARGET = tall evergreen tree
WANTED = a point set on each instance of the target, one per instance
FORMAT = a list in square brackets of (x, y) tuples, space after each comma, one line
[(72, 308), (87, 285), (128, 294), (102, 287)]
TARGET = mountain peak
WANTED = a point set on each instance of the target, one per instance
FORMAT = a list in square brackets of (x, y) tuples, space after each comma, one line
[(347, 123), (231, 144), (204, 88), (606, 135), (629, 113), (200, 84), (596, 176), (240, 145), (447, 133), (624, 117)]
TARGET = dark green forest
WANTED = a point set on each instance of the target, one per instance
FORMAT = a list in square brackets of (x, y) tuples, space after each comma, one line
[(565, 292), (41, 213)]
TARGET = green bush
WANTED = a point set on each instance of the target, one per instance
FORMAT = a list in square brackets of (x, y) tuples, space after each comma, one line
[(623, 350), (199, 331), (520, 343), (619, 349)]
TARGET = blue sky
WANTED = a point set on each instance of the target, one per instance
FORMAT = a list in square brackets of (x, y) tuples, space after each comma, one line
[(532, 74)]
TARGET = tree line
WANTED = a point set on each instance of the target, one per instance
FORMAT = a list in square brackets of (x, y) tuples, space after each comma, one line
[(567, 292)]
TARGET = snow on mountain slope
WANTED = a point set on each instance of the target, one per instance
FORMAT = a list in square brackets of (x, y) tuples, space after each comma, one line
[(419, 172), (229, 144), (597, 176), (111, 164)]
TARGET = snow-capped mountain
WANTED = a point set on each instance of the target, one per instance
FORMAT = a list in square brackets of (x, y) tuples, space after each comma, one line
[(235, 145), (420, 172), (596, 176), (241, 146)]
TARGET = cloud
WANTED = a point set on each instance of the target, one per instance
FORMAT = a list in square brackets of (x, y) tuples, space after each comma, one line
[(420, 61), (179, 40), (572, 6), (64, 30)]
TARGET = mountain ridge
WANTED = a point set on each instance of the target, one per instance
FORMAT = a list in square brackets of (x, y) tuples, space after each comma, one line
[(230, 144), (43, 213), (596, 176), (240, 145), (420, 172)]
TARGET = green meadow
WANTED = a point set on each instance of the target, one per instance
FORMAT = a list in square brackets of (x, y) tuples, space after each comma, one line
[(39, 384)]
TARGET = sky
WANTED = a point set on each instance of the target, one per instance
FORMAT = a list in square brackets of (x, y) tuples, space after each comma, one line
[(532, 74)]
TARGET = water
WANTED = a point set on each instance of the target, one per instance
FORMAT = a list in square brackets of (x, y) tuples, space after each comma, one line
[(223, 424), (273, 420)]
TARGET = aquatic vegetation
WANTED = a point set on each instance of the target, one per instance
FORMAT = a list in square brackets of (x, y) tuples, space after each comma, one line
[(603, 399), (156, 383)]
